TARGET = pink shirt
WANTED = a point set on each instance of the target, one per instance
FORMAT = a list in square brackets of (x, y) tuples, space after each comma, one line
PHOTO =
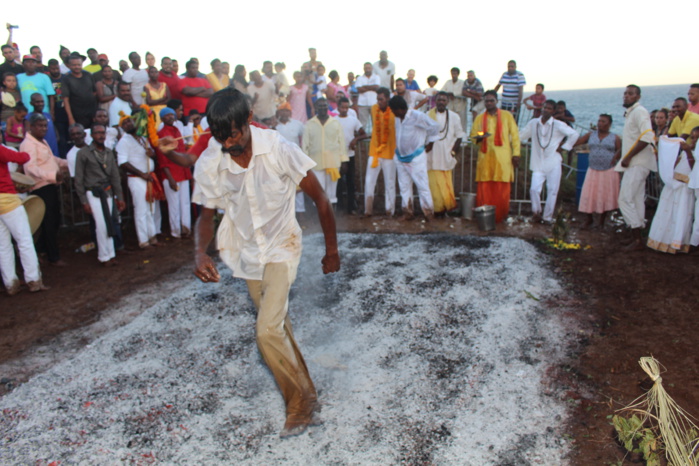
[(42, 165), (693, 108)]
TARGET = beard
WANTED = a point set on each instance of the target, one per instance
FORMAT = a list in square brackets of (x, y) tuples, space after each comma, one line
[(234, 151)]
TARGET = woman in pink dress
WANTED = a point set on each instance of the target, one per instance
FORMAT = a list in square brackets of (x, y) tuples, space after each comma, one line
[(298, 98)]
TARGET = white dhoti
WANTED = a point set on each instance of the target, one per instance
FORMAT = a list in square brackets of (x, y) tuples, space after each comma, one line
[(143, 211), (632, 196), (552, 178), (411, 172), (15, 224), (388, 167), (178, 207), (328, 185), (105, 244)]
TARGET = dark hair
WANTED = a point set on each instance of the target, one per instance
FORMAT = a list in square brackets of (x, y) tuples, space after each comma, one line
[(193, 112), (512, 61), (456, 69), (6, 46), (110, 67), (695, 86), (53, 61), (384, 90), (8, 73), (696, 128), (190, 63), (132, 54), (635, 87), (123, 83), (174, 103), (562, 102), (665, 111), (490, 92), (34, 47), (88, 50), (214, 61), (95, 125), (397, 103), (608, 116), (551, 102), (165, 58), (280, 63), (265, 62), (446, 94), (225, 108), (401, 80), (432, 78), (76, 125), (237, 76), (36, 117), (542, 86), (322, 99), (101, 110), (21, 107), (333, 74), (342, 100), (682, 99)]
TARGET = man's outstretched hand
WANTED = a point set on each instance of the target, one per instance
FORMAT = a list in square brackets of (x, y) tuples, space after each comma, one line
[(205, 269), (331, 263)]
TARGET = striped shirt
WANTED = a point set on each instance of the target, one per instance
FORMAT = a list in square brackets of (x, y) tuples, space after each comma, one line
[(510, 87)]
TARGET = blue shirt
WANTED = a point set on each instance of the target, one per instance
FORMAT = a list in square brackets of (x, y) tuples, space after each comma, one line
[(510, 87), (38, 83)]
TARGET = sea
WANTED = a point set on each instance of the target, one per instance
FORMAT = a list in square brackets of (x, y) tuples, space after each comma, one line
[(587, 104)]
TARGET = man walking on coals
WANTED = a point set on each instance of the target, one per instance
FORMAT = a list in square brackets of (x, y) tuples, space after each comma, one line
[(252, 174)]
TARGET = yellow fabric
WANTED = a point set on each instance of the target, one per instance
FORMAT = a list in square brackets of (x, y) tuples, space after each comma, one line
[(8, 99), (93, 68), (376, 149), (216, 83), (634, 144), (442, 189), (685, 125), (157, 94), (496, 164), (334, 173), (325, 143), (9, 202)]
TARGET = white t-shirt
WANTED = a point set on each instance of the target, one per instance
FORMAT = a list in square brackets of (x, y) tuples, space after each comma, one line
[(130, 150), (367, 99), (385, 74), (138, 79), (71, 157), (109, 143), (350, 125), (114, 109), (292, 131)]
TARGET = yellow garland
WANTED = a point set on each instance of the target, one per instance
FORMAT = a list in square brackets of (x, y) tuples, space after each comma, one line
[(151, 128), (563, 246)]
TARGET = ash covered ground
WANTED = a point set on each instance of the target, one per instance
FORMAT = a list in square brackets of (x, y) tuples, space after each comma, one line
[(424, 349)]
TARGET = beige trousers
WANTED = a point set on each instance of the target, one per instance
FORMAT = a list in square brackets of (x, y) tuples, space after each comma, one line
[(276, 342)]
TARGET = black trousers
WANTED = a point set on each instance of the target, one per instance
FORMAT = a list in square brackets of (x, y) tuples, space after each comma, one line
[(346, 185), (48, 238)]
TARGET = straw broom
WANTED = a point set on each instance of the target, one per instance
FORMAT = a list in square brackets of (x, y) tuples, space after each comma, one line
[(679, 434)]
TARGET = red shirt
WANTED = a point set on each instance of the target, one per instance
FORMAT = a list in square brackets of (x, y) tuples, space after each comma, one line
[(178, 173), (196, 103), (7, 186), (173, 83)]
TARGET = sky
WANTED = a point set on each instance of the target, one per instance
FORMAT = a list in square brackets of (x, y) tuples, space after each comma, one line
[(592, 44)]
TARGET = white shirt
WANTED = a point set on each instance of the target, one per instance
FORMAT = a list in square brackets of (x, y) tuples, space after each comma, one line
[(266, 104), (367, 99), (636, 123), (546, 137), (350, 125), (111, 140), (114, 109), (414, 131), (385, 74), (138, 80), (71, 157), (130, 150), (412, 98), (259, 224), (292, 130), (440, 157)]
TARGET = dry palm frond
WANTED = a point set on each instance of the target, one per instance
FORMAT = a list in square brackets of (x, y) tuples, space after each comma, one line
[(677, 431)]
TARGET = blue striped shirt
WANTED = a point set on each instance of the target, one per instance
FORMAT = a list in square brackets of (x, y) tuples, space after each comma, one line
[(510, 87)]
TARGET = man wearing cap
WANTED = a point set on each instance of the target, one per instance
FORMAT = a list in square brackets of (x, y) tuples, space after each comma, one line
[(14, 224), (103, 60), (78, 93), (48, 172), (31, 82), (175, 179), (97, 182), (135, 157)]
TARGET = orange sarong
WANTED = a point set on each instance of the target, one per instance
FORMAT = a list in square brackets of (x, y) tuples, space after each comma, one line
[(495, 193)]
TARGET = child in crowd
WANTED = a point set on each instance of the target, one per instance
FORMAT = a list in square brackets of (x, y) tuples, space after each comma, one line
[(14, 134), (431, 91), (10, 97), (321, 82), (537, 101)]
